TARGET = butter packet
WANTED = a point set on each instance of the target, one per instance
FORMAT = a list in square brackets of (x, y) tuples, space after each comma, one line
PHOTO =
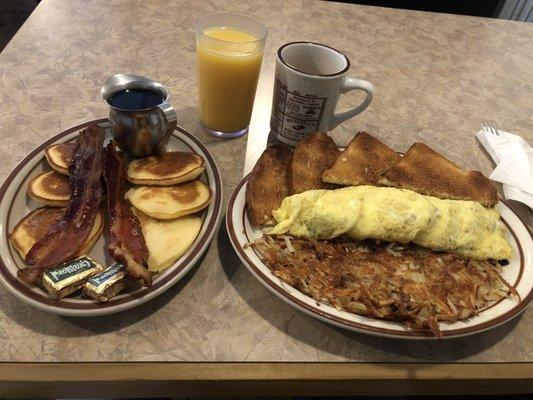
[(66, 278), (106, 284)]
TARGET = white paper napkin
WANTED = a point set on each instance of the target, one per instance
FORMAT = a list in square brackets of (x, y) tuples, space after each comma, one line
[(514, 164)]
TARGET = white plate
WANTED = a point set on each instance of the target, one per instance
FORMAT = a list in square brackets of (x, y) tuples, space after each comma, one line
[(518, 273), (14, 204)]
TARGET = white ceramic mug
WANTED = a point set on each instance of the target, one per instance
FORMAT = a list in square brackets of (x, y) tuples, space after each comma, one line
[(310, 77)]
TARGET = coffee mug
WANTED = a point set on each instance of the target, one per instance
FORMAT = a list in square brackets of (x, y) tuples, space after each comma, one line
[(140, 114), (310, 77)]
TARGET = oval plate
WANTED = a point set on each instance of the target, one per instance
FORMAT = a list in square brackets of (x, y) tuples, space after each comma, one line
[(519, 273), (14, 204)]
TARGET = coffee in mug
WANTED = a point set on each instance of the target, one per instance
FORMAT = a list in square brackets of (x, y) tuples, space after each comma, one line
[(310, 77)]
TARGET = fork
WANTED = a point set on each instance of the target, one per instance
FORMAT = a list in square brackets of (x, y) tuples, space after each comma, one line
[(490, 127)]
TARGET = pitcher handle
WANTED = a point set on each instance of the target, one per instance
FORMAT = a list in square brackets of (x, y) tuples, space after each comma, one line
[(170, 116), (171, 119)]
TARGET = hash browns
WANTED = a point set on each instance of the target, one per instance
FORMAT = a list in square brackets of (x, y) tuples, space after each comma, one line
[(406, 284)]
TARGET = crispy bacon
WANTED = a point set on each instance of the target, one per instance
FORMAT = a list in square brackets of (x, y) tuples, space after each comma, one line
[(66, 236), (125, 234)]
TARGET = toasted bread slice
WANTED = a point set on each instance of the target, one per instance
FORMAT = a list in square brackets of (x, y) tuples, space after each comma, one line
[(34, 226), (268, 184), (312, 157), (167, 240), (362, 162), (50, 188), (165, 170), (59, 156), (425, 171), (169, 202)]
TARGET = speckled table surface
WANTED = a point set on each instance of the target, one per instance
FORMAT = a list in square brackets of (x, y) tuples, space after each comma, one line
[(437, 77)]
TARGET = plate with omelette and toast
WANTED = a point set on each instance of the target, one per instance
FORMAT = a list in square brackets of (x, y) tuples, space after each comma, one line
[(87, 231), (396, 245)]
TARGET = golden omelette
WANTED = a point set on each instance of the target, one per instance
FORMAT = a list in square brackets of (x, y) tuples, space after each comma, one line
[(396, 215)]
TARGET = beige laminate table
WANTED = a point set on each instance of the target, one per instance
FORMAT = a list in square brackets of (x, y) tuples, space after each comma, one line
[(437, 77)]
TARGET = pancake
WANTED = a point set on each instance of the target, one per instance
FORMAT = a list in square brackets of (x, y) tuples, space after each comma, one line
[(425, 171), (268, 184), (167, 169), (50, 188), (311, 158), (169, 202), (167, 240), (34, 226), (59, 156), (362, 162)]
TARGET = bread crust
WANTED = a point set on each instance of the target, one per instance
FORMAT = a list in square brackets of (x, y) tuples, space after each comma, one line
[(268, 184), (425, 171), (363, 161), (312, 157)]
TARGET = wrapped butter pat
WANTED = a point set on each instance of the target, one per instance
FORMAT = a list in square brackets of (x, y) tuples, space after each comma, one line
[(64, 279), (106, 284)]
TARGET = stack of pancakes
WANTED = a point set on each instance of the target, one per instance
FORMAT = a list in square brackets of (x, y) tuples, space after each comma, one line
[(317, 163), (52, 189), (165, 197)]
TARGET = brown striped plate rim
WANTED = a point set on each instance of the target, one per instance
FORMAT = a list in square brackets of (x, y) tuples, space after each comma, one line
[(39, 299)]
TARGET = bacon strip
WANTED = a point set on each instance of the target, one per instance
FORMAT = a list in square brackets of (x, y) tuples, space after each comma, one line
[(125, 234), (66, 236)]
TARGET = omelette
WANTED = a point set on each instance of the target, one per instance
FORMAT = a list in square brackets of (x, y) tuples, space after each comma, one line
[(462, 227)]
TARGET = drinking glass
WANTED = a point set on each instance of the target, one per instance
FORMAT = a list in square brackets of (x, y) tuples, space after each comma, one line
[(229, 50)]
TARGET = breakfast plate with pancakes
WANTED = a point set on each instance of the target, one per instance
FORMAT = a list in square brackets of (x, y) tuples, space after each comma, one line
[(86, 233), (364, 238)]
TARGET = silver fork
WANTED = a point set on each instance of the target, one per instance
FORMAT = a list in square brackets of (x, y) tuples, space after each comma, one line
[(490, 127)]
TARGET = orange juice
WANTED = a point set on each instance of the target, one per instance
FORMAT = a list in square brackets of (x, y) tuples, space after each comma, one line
[(229, 61)]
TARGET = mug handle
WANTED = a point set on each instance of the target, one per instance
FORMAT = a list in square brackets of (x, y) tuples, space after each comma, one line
[(348, 85)]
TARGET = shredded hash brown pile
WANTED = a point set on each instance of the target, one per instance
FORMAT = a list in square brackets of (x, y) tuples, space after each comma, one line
[(407, 284)]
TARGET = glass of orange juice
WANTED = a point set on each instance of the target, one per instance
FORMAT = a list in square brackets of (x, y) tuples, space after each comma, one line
[(229, 50)]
